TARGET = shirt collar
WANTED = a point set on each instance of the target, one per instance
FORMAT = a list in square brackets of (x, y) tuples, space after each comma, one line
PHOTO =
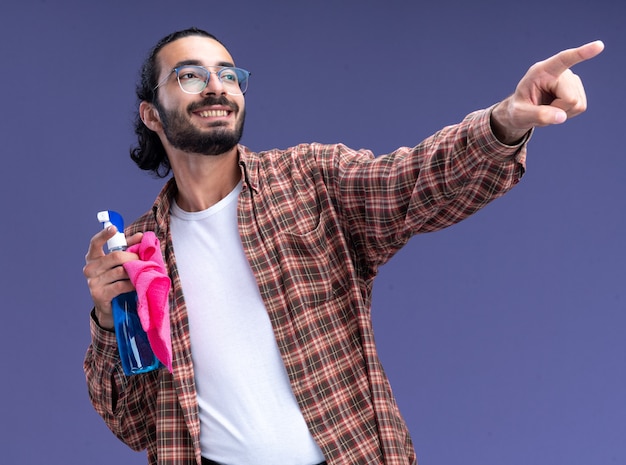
[(248, 163)]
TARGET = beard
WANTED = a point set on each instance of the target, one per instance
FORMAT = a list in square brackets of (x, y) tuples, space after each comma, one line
[(183, 136)]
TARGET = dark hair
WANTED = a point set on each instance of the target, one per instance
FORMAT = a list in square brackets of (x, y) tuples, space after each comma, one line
[(149, 154)]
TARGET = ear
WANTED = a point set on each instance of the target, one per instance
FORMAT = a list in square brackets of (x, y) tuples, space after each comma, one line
[(150, 116)]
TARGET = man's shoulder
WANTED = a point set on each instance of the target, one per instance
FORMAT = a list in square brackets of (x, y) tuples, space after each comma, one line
[(299, 154)]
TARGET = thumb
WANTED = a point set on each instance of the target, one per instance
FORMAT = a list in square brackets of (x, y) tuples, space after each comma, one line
[(558, 116), (547, 115)]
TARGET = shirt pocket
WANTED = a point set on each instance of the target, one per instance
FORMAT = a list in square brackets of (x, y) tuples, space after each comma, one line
[(309, 263)]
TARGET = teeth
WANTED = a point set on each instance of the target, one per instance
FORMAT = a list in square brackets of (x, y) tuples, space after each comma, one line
[(213, 113)]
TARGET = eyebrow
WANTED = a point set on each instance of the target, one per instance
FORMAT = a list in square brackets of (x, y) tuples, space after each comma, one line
[(199, 63)]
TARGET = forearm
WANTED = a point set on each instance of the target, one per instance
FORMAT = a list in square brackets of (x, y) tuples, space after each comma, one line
[(435, 184), (126, 403), (467, 167)]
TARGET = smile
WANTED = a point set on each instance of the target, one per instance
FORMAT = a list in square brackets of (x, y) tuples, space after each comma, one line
[(213, 113)]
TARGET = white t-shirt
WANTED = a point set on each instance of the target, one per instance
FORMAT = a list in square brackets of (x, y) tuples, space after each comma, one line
[(248, 412)]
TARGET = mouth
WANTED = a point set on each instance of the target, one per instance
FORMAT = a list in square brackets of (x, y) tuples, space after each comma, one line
[(214, 108), (213, 113)]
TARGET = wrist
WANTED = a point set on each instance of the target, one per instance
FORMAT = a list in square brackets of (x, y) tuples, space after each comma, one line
[(103, 319), (501, 127)]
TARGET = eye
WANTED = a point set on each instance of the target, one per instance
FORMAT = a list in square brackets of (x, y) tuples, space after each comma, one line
[(188, 74), (228, 75)]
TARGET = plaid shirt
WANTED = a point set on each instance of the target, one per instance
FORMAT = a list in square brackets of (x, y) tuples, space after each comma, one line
[(316, 222)]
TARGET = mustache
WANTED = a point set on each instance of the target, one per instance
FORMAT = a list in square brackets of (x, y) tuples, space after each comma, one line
[(213, 100)]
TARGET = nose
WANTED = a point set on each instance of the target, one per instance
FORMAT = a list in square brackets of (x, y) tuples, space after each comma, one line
[(214, 86)]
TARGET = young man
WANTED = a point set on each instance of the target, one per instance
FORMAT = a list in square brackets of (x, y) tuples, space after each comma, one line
[(272, 257)]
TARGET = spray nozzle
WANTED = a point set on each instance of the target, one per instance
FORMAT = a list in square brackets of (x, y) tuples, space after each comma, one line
[(108, 218)]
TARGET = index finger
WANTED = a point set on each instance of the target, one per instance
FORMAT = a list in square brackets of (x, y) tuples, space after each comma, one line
[(559, 63), (96, 245)]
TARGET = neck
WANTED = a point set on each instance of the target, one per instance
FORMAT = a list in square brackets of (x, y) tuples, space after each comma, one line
[(204, 180)]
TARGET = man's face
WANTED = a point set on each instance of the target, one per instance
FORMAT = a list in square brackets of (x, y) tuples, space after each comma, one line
[(208, 123)]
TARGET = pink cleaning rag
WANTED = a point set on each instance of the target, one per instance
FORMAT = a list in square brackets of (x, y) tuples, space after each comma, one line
[(150, 278)]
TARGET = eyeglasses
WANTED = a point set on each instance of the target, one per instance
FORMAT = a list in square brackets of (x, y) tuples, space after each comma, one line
[(194, 79)]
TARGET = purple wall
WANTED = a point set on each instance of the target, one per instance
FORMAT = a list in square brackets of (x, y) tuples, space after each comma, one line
[(503, 336)]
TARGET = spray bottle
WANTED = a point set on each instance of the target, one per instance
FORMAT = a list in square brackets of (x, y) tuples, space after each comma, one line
[(132, 341)]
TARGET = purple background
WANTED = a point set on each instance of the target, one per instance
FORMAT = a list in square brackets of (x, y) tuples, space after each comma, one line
[(503, 336)]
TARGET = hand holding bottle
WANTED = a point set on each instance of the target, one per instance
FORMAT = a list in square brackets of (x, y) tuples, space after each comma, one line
[(105, 274)]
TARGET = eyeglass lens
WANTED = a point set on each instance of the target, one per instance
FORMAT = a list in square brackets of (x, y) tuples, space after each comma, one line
[(194, 79)]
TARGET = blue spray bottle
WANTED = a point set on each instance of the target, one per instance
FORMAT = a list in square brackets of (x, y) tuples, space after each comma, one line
[(132, 341)]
